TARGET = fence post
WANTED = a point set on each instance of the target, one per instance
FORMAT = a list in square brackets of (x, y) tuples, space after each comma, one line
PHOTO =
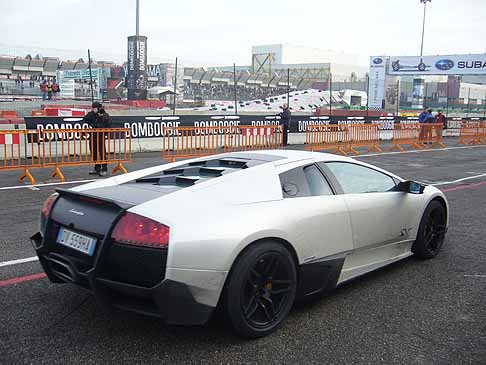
[(234, 86), (398, 97), (175, 88), (288, 88), (484, 106), (330, 93), (447, 98)]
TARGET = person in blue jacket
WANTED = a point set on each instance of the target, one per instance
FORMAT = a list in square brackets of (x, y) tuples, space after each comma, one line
[(422, 116)]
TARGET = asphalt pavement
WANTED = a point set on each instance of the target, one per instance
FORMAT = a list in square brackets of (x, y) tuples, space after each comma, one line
[(410, 312)]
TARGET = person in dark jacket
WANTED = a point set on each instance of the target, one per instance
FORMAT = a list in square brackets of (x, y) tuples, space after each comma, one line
[(440, 118), (98, 118), (285, 116)]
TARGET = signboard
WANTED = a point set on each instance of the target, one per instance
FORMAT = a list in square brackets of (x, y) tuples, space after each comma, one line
[(137, 68), (469, 64), (418, 93), (159, 126), (75, 83), (376, 84), (392, 94)]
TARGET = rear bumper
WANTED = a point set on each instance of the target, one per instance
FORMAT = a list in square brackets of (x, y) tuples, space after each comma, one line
[(169, 300)]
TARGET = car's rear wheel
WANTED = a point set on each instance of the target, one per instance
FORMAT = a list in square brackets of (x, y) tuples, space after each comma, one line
[(260, 290), (431, 233)]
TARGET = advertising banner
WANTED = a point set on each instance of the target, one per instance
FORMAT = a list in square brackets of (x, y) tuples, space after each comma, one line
[(468, 64), (75, 83), (418, 93), (376, 84), (137, 68), (158, 126), (392, 93)]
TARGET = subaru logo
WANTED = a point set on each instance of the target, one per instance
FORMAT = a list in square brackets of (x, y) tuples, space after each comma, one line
[(444, 65), (377, 61)]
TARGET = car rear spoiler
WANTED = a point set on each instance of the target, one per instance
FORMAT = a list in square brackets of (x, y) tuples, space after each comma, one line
[(76, 194)]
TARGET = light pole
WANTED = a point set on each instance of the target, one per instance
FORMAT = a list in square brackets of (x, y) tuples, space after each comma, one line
[(423, 26)]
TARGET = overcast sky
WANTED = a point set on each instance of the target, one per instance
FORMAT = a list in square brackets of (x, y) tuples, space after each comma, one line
[(217, 32)]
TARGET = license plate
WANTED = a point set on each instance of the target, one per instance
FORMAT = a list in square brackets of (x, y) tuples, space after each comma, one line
[(76, 241)]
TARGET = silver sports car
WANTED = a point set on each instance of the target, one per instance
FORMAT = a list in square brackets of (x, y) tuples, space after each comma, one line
[(248, 232)]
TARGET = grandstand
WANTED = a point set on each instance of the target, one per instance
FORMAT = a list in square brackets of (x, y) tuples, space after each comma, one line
[(300, 100), (196, 85)]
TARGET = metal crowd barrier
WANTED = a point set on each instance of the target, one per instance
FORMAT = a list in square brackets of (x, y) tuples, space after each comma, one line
[(77, 147), (333, 137), (55, 148), (343, 138), (17, 154), (186, 142), (406, 134), (472, 133)]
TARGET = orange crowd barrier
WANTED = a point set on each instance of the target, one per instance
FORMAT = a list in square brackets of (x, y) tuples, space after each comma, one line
[(8, 114), (472, 133), (431, 134), (77, 147), (483, 132), (406, 134), (17, 154), (364, 135), (187, 142), (333, 137)]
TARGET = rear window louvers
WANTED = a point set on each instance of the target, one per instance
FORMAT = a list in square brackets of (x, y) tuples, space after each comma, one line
[(195, 172)]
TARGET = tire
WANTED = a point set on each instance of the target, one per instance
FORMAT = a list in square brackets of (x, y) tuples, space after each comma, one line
[(260, 290), (431, 233)]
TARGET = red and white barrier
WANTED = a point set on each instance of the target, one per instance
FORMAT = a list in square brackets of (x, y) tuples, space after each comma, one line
[(65, 112), (10, 138)]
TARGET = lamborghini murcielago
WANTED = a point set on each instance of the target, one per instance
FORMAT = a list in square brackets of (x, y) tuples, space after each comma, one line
[(247, 232)]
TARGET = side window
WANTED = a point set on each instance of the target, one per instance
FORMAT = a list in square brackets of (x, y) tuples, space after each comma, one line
[(294, 184), (356, 179), (301, 182), (317, 183)]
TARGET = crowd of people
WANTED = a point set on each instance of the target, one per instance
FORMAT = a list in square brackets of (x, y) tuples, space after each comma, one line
[(427, 117), (227, 92), (50, 89)]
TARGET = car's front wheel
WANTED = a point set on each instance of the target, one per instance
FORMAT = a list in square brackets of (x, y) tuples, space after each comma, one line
[(431, 233), (260, 290)]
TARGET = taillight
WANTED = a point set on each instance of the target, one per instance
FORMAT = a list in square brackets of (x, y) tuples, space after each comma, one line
[(47, 206), (46, 210), (133, 229)]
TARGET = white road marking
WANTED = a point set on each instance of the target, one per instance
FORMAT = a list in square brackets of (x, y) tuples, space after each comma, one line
[(476, 276), (19, 261), (458, 180), (418, 151), (36, 186)]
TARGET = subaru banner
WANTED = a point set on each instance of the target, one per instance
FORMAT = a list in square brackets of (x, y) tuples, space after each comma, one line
[(470, 64)]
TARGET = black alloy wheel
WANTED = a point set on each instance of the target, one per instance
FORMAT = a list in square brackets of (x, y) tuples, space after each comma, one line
[(261, 289), (432, 231)]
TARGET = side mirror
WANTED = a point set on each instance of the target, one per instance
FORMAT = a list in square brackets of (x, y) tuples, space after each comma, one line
[(411, 187)]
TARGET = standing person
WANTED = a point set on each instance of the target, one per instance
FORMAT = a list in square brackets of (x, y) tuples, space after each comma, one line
[(49, 91), (421, 119), (98, 118), (429, 121), (43, 88), (440, 118), (441, 124), (285, 116), (55, 89)]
